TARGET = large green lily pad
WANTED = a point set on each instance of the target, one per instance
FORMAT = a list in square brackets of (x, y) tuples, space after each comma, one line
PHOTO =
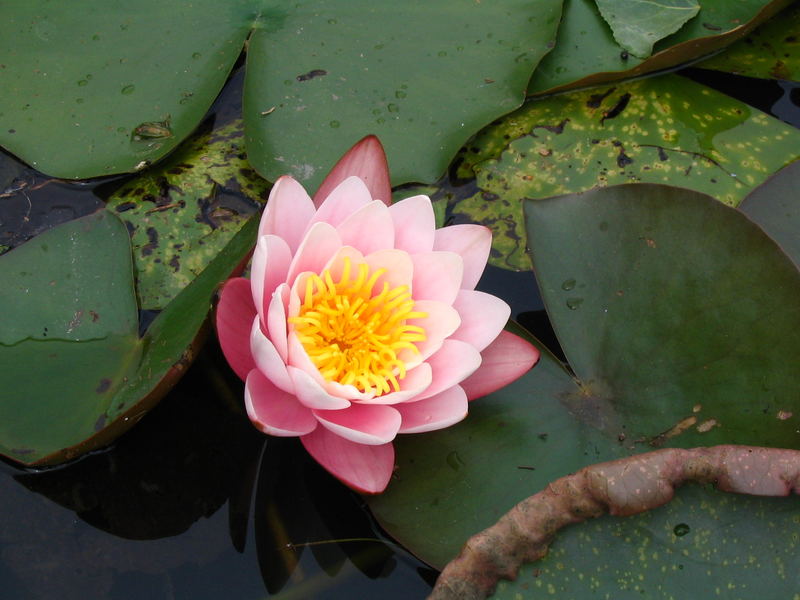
[(113, 88), (658, 297), (664, 129), (586, 53), (183, 212)]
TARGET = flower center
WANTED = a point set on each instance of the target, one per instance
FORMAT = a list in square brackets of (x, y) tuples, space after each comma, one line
[(352, 333)]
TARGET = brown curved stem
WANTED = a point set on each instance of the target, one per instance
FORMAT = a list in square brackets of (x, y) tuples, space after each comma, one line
[(622, 487)]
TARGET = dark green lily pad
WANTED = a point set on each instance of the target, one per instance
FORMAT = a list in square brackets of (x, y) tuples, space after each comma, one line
[(586, 53), (664, 129), (771, 51), (114, 88), (658, 297), (640, 24), (182, 213)]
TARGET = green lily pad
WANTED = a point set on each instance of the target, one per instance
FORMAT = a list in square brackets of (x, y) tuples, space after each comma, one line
[(586, 53), (771, 51), (658, 297), (664, 129), (114, 88), (639, 24), (75, 372), (182, 213), (703, 544)]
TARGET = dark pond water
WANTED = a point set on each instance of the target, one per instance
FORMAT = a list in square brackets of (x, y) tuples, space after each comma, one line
[(194, 503)]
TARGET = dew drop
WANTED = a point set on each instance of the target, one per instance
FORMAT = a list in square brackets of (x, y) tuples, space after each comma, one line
[(128, 89), (83, 82), (399, 94), (574, 303), (95, 38), (380, 121), (454, 461), (568, 284), (332, 21), (196, 55), (681, 529), (376, 111), (121, 130), (79, 100), (334, 124), (393, 108), (442, 53)]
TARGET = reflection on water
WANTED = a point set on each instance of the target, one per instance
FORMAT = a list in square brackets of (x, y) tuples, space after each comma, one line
[(195, 503)]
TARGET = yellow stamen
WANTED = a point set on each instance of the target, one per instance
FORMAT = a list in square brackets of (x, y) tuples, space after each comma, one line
[(352, 334)]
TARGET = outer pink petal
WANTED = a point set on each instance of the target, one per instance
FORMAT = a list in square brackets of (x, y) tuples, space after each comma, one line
[(268, 361), (437, 276), (365, 160), (273, 411), (370, 228), (318, 246), (234, 319), (366, 469), (276, 320), (483, 317), (345, 199), (504, 360), (453, 363), (412, 385), (268, 270), (414, 224), (473, 243), (361, 423), (441, 322), (313, 395), (288, 212), (436, 412)]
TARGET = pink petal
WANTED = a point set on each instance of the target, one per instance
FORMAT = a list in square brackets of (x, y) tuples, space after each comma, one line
[(313, 395), (268, 270), (398, 264), (504, 360), (336, 263), (365, 160), (483, 317), (288, 212), (318, 246), (345, 199), (268, 361), (412, 385), (366, 469), (234, 319), (453, 363), (273, 411), (473, 243), (370, 228), (440, 323), (414, 224), (436, 412), (437, 276), (361, 423), (276, 320)]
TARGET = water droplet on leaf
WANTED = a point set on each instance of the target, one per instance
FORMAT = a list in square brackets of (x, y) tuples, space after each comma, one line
[(454, 461), (574, 303), (568, 284), (334, 124), (681, 529), (128, 89)]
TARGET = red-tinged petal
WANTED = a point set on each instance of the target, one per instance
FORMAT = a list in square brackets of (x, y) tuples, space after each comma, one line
[(276, 320), (414, 224), (437, 276), (437, 412), (440, 323), (274, 411), (398, 265), (362, 423), (271, 261), (366, 469), (234, 319), (367, 161), (268, 361), (503, 361), (473, 243), (345, 199), (313, 395), (483, 317), (412, 385), (370, 228), (320, 244), (454, 362), (288, 213)]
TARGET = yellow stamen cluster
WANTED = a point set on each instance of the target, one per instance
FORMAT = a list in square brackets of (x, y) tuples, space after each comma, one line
[(354, 334)]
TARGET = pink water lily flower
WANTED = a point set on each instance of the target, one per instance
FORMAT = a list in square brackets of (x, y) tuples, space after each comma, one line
[(360, 320)]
